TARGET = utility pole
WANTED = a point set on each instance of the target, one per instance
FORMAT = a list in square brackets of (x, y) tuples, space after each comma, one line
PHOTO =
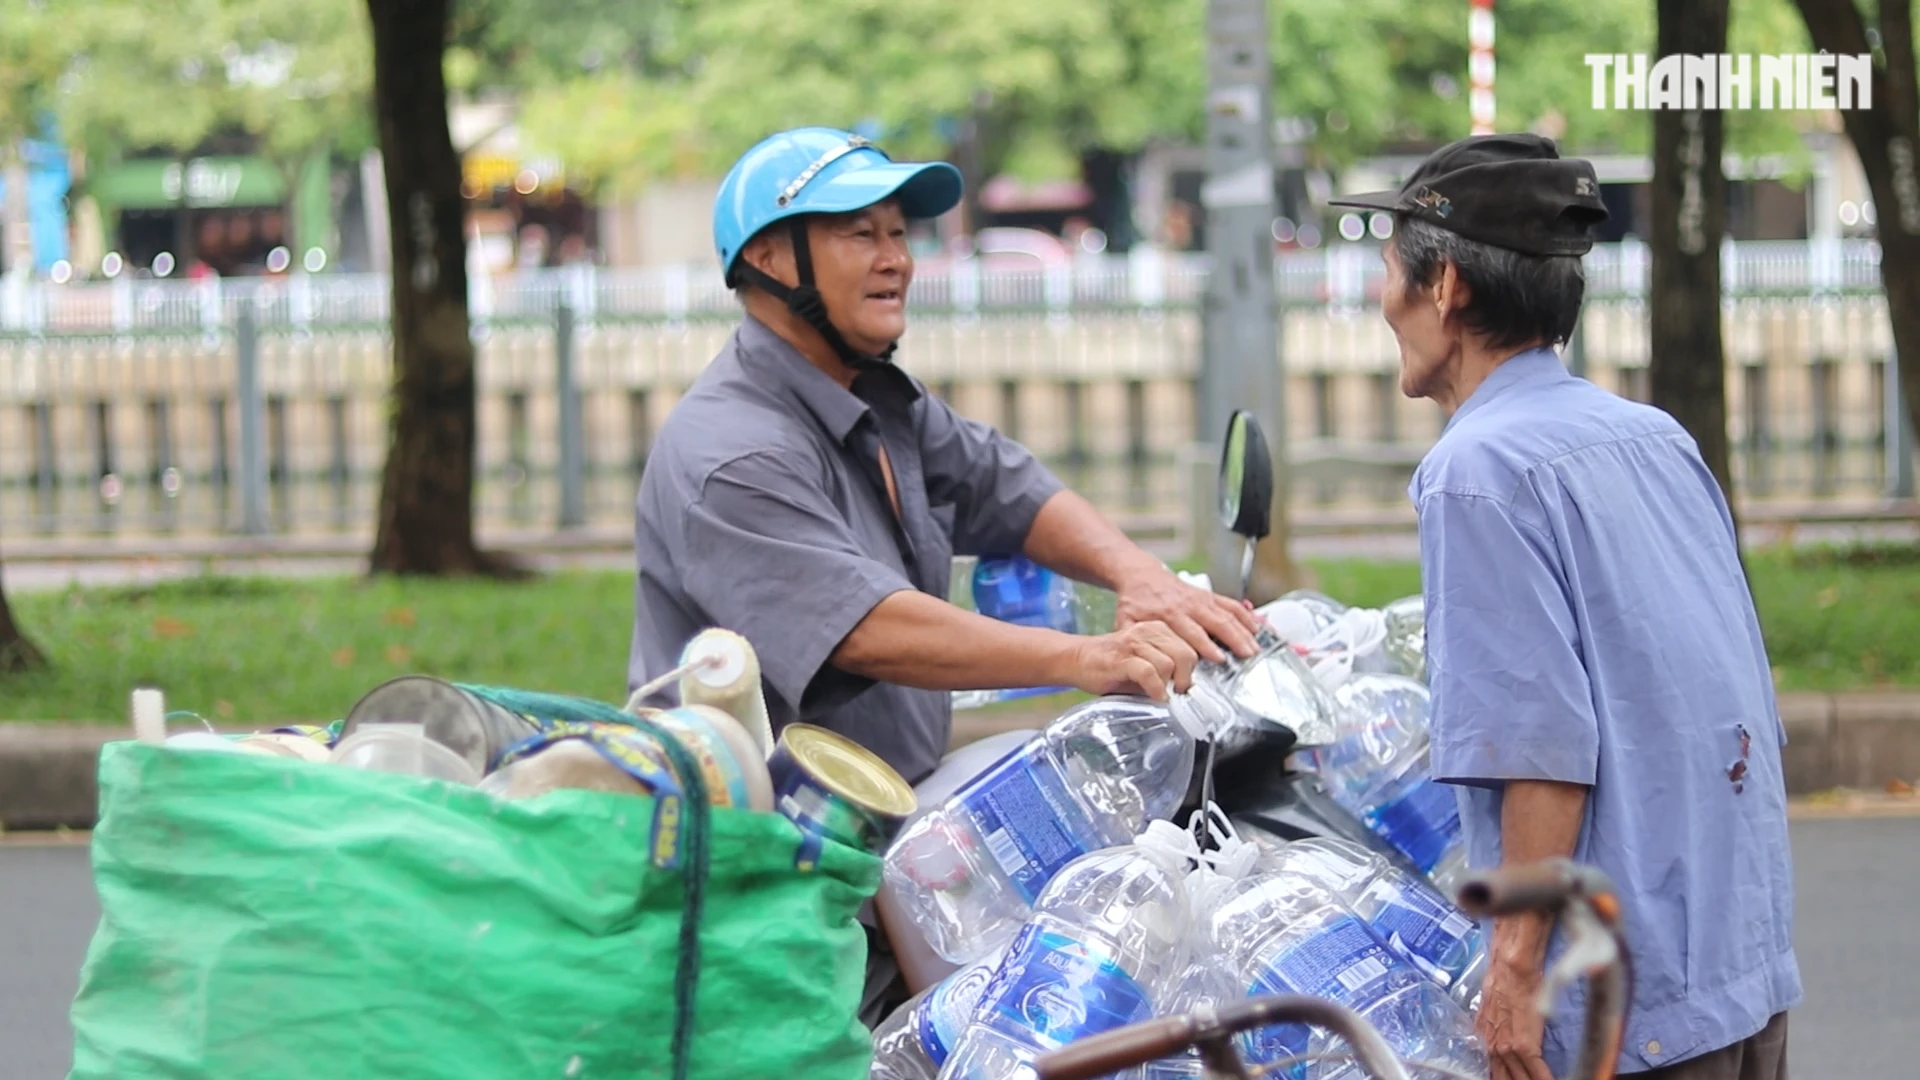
[(1480, 65), (1240, 362)]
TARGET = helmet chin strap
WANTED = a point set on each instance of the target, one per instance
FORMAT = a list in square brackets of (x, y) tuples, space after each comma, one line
[(805, 301)]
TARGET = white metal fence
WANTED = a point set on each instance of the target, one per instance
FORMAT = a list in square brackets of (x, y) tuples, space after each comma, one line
[(135, 406), (1344, 276)]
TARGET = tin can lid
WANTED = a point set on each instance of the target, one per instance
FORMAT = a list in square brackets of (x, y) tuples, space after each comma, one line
[(850, 770)]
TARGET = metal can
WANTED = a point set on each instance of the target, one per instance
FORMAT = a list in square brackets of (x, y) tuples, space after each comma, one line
[(835, 789), (469, 725)]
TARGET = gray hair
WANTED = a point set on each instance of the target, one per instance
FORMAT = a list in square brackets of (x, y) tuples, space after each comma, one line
[(1517, 299)]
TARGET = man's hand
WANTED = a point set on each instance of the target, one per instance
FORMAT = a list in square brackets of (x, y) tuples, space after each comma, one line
[(1147, 659), (1202, 619), (1509, 1023)]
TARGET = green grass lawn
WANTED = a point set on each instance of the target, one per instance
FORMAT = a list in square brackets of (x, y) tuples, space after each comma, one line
[(248, 651)]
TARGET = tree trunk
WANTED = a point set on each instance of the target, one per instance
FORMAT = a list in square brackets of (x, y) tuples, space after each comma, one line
[(1687, 369), (17, 654), (1887, 138), (426, 492)]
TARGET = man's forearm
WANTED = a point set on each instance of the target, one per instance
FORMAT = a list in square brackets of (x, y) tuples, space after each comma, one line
[(912, 639), (1069, 536), (1539, 819)]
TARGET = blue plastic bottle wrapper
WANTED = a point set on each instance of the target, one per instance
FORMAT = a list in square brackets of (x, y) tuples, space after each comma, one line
[(1422, 822), (1053, 990), (1342, 961), (1031, 823)]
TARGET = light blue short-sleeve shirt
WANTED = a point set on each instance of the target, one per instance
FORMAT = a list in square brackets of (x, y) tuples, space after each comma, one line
[(1588, 621)]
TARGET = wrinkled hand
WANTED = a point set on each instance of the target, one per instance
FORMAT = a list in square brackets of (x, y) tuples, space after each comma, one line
[(1146, 659), (1202, 619), (1510, 1025)]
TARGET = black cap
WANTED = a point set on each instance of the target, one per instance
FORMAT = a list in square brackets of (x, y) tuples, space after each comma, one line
[(1511, 191)]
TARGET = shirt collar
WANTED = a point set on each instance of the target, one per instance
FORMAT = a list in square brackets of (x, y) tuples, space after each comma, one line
[(1537, 365), (767, 355)]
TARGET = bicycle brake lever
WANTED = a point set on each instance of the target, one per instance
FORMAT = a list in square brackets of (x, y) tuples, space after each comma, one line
[(1590, 947)]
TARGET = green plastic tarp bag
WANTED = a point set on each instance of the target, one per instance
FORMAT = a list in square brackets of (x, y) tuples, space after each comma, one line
[(266, 918)]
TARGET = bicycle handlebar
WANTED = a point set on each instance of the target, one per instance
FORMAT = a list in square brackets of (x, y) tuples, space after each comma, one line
[(1536, 887), (1114, 1051)]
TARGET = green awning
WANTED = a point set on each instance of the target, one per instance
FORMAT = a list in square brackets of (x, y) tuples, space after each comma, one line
[(159, 184)]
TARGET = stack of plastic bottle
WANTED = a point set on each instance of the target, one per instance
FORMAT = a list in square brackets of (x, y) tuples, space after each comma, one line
[(1283, 932), (1379, 768), (1408, 915), (1107, 940), (1140, 930), (970, 871)]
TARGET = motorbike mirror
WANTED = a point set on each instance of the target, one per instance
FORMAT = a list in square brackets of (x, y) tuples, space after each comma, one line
[(1246, 479)]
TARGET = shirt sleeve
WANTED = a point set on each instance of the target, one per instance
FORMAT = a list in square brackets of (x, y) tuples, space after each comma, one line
[(996, 485), (1511, 697), (770, 558)]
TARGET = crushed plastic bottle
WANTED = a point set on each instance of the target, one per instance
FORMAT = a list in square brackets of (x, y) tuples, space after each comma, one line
[(1379, 768), (1404, 912), (917, 1039), (969, 872), (1283, 933), (1107, 938)]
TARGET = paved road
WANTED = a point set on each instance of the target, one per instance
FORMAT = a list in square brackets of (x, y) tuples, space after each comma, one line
[(1859, 945)]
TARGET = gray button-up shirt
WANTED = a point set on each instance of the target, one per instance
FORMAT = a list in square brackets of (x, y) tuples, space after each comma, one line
[(763, 510)]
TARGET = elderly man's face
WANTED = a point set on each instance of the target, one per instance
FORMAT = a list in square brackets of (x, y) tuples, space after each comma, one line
[(1428, 341), (864, 266), (861, 265)]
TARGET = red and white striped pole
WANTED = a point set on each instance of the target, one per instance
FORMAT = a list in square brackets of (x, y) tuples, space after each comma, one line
[(1480, 64)]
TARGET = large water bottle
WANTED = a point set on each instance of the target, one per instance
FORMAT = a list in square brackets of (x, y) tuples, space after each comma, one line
[(917, 1039), (1379, 767), (1106, 939), (1404, 912), (969, 872), (1285, 934), (1015, 589)]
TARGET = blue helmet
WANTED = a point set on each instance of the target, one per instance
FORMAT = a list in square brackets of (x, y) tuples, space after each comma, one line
[(820, 170)]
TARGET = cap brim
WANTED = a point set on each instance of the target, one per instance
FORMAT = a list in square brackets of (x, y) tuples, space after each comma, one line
[(924, 189), (1372, 200)]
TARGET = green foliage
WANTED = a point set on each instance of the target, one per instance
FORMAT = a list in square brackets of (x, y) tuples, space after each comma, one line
[(629, 91), (669, 88), (30, 61), (168, 75)]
